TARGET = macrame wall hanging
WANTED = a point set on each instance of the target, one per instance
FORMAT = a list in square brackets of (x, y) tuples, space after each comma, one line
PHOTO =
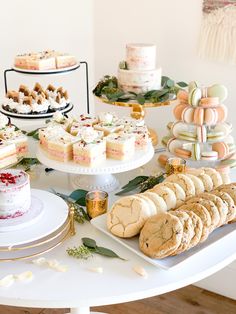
[(218, 31)]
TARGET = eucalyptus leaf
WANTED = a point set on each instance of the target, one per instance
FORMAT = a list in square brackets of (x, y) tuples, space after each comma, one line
[(141, 99), (90, 243), (170, 83), (127, 190), (33, 132), (36, 136), (78, 195), (164, 80), (182, 84), (135, 181), (107, 252)]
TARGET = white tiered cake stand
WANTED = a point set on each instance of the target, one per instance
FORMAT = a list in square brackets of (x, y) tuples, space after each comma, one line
[(100, 177)]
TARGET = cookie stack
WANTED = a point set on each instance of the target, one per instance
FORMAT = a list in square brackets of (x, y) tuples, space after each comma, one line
[(171, 233), (129, 214), (200, 131)]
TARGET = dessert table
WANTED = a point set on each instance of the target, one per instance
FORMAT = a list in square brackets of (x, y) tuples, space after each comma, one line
[(80, 287)]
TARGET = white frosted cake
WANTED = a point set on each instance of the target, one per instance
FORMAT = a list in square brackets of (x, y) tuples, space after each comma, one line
[(140, 74), (15, 197)]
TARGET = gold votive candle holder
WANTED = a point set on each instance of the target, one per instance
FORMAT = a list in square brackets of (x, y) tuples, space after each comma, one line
[(96, 203), (175, 165)]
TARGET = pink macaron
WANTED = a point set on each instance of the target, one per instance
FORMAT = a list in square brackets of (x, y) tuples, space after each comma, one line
[(182, 153), (178, 109), (188, 114), (209, 102), (201, 133), (221, 148), (209, 155), (210, 116), (182, 96), (222, 113), (198, 116)]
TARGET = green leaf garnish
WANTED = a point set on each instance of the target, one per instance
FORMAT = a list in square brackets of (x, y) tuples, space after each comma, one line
[(79, 196), (182, 84)]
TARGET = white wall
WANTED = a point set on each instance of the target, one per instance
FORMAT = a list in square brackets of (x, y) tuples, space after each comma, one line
[(174, 27), (66, 26)]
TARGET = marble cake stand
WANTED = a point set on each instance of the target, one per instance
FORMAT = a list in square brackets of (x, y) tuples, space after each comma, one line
[(102, 177)]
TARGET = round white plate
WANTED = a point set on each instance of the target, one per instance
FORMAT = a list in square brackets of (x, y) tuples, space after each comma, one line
[(55, 213), (29, 218), (68, 108), (109, 166), (52, 71)]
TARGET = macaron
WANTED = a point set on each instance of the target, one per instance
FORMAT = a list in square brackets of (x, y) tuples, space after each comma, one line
[(229, 162), (209, 155), (222, 113), (182, 153), (194, 96), (226, 128), (187, 136), (162, 159), (201, 133), (182, 96), (174, 143), (165, 140), (188, 114), (221, 148), (198, 117), (191, 86), (218, 90), (215, 136), (210, 116), (196, 151), (209, 102), (178, 109)]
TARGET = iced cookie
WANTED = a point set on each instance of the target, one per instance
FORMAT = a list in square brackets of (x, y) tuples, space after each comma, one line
[(207, 182), (167, 194), (199, 186), (127, 216), (161, 235), (158, 201), (197, 227), (184, 181), (231, 214), (178, 190), (150, 203), (215, 176)]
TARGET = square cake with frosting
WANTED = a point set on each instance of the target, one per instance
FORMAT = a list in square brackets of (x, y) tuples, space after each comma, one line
[(120, 146)]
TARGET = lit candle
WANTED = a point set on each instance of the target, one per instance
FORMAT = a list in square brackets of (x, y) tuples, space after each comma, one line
[(96, 203), (175, 165)]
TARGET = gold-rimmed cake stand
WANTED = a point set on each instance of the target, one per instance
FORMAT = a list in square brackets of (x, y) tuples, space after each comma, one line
[(139, 111)]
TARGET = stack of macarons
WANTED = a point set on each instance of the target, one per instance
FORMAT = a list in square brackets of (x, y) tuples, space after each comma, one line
[(201, 131)]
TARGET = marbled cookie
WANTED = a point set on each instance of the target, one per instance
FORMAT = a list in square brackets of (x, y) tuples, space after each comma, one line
[(203, 213), (167, 194), (158, 201), (220, 204), (199, 186), (178, 190), (207, 182), (188, 230), (231, 214), (127, 216), (150, 203), (215, 176), (184, 181), (161, 235), (212, 209)]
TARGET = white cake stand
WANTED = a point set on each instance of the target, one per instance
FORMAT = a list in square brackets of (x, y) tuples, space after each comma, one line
[(101, 177)]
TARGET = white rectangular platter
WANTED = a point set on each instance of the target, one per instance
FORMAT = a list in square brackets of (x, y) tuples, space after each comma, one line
[(132, 244)]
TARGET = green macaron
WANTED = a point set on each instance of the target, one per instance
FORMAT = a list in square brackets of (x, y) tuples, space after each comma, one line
[(191, 86), (194, 96), (217, 90)]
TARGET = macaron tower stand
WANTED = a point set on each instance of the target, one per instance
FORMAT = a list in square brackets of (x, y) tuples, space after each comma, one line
[(200, 133)]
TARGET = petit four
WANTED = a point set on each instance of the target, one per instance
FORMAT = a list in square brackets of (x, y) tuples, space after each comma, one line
[(120, 146), (44, 60)]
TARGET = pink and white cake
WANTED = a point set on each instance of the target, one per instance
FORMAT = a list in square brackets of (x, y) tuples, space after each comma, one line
[(140, 74), (120, 146), (15, 197)]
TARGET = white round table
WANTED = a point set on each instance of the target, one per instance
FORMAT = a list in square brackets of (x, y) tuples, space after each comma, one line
[(80, 288)]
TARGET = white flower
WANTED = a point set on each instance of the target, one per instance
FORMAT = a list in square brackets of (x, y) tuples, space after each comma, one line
[(3, 121), (106, 117), (89, 135), (58, 116)]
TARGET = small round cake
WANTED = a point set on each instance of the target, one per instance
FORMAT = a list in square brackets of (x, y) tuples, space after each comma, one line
[(15, 197)]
